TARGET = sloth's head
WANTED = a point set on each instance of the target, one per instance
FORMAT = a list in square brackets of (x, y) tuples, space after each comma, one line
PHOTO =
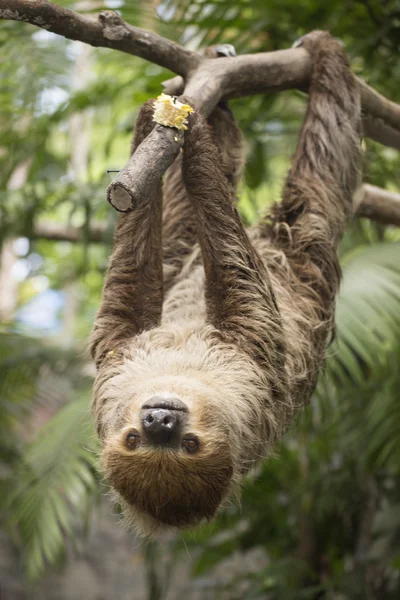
[(169, 456), (182, 420)]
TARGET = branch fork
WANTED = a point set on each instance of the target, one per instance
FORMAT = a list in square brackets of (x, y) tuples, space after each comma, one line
[(203, 80)]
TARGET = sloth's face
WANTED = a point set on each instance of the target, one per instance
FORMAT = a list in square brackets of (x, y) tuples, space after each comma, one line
[(167, 455)]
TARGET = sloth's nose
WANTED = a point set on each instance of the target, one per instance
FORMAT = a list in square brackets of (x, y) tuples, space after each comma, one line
[(161, 425)]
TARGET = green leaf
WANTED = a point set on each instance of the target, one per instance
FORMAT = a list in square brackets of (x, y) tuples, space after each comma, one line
[(54, 486), (367, 315)]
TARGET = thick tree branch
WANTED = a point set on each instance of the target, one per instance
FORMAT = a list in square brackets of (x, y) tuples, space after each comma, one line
[(107, 30), (151, 160), (370, 201), (378, 204), (98, 233), (240, 76), (206, 80), (251, 74), (283, 70), (379, 107)]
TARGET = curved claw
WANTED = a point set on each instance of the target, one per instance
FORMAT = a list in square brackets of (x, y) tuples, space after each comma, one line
[(297, 42), (225, 50), (220, 50), (313, 36)]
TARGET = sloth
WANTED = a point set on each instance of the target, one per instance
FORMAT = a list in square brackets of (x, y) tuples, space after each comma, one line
[(210, 336)]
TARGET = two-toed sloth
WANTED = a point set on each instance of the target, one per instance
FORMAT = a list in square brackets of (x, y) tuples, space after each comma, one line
[(210, 336)]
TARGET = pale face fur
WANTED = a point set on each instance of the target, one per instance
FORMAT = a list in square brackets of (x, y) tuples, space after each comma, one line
[(225, 396)]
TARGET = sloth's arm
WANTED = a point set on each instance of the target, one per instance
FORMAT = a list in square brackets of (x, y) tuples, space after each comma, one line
[(239, 297), (133, 288), (179, 218), (317, 198), (179, 229), (317, 202)]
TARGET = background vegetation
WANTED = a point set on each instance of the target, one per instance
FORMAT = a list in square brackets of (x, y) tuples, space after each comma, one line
[(326, 510)]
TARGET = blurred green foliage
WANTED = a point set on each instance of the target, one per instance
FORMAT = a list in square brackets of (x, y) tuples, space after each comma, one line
[(326, 509)]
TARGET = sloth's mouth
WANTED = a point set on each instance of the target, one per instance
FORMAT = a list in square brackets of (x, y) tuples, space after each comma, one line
[(167, 404)]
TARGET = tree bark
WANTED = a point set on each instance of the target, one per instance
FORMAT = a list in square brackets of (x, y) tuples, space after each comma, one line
[(128, 186), (205, 82), (107, 30), (54, 232), (378, 204), (370, 202), (225, 78)]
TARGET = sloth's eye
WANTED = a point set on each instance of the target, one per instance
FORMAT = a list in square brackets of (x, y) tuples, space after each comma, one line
[(132, 440), (191, 444)]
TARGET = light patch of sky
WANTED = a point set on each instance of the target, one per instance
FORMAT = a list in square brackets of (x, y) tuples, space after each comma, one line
[(35, 261), (74, 49), (44, 36), (50, 99), (23, 267), (41, 314), (20, 269), (274, 126), (192, 37), (21, 246), (113, 3), (189, 32), (165, 12)]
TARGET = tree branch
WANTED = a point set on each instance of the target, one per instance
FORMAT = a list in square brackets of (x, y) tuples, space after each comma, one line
[(378, 205), (98, 233), (236, 77), (163, 143), (370, 201), (107, 30), (250, 74), (207, 80), (226, 78)]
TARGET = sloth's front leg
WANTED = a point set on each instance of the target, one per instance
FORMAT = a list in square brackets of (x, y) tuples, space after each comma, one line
[(239, 296), (133, 288)]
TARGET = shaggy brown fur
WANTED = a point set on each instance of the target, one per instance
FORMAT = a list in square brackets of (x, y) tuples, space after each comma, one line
[(240, 332)]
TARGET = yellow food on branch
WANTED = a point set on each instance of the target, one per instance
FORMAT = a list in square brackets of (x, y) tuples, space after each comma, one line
[(170, 112)]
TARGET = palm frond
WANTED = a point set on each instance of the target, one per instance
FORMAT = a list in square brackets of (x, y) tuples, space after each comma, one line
[(27, 367), (383, 422), (367, 317), (53, 486), (358, 392)]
